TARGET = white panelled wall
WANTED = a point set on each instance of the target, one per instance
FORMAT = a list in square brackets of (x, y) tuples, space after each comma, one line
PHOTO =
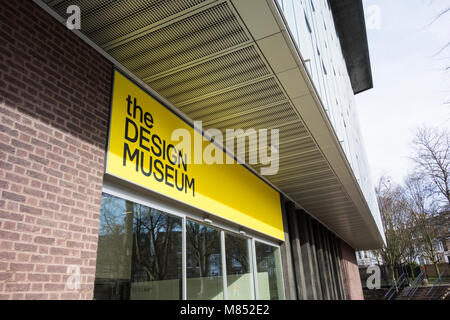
[(312, 27)]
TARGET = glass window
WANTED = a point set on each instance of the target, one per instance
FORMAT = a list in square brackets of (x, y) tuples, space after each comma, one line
[(140, 257), (203, 262), (268, 262), (139, 252), (238, 266), (307, 23)]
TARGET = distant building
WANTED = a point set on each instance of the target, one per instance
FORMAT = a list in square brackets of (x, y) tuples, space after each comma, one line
[(366, 258)]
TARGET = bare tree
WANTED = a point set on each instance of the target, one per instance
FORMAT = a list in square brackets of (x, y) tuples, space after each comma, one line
[(412, 245), (444, 13), (153, 237), (393, 210), (439, 16), (204, 242), (432, 156), (424, 215)]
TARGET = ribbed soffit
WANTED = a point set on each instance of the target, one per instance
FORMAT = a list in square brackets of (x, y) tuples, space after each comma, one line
[(201, 56)]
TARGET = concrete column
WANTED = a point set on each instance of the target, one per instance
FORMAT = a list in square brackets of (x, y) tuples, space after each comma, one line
[(329, 268), (286, 256), (297, 254), (307, 257), (322, 264), (337, 266), (315, 261)]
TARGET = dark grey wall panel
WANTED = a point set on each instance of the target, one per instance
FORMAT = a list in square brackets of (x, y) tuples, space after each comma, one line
[(296, 253), (286, 256), (307, 257), (314, 269)]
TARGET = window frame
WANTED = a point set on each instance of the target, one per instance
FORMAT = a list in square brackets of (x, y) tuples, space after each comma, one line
[(186, 212)]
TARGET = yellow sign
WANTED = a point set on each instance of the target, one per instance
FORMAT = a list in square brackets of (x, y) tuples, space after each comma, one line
[(141, 150)]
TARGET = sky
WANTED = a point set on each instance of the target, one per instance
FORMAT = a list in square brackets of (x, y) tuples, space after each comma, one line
[(410, 83)]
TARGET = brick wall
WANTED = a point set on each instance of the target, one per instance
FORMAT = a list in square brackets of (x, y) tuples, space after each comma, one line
[(350, 273), (54, 105)]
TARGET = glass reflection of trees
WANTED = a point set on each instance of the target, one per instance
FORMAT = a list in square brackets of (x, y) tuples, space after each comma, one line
[(136, 244), (267, 261), (237, 256), (203, 268), (157, 245), (140, 257), (239, 279)]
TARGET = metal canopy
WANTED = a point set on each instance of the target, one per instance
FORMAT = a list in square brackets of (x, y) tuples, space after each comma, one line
[(232, 64)]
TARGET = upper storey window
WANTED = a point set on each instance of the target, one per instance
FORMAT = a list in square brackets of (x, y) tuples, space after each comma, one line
[(307, 23)]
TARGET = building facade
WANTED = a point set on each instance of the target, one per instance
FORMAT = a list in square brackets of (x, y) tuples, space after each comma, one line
[(99, 202), (367, 258)]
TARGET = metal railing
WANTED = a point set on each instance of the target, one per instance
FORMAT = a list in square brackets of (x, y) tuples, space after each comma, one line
[(398, 285), (436, 284), (409, 292)]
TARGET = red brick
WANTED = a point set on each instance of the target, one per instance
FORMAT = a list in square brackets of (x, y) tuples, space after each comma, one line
[(11, 215), (9, 225), (41, 258), (37, 287), (5, 276), (54, 106), (34, 192), (53, 172), (17, 287), (17, 178), (66, 201), (27, 227), (21, 267), (25, 128), (77, 228), (20, 144), (7, 255), (62, 234), (7, 148), (44, 240), (8, 131), (7, 235), (19, 161), (31, 210), (38, 277), (25, 247), (6, 165), (75, 244), (36, 175), (38, 159), (59, 251), (57, 269), (49, 205), (13, 196), (36, 296)]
